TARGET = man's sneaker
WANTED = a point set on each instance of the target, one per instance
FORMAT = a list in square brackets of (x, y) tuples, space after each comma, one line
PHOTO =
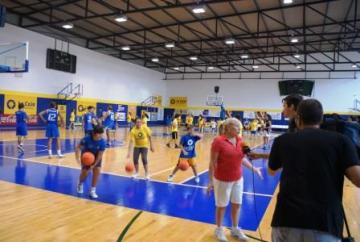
[(93, 194), (20, 149), (80, 188), (168, 145), (220, 235), (50, 156), (60, 155), (236, 232), (147, 176), (170, 178), (135, 175), (197, 180)]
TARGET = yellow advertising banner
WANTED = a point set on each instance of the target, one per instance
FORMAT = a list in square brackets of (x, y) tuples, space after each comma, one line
[(178, 102), (12, 102), (82, 107)]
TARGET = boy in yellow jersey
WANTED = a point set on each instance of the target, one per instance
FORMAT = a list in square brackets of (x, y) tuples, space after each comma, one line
[(130, 120), (174, 131), (144, 118), (254, 126), (72, 119), (189, 120), (179, 120), (140, 137), (201, 123)]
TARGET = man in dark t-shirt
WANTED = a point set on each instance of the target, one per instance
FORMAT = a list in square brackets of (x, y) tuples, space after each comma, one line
[(313, 163)]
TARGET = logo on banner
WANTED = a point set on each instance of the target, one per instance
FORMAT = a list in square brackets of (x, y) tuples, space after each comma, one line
[(178, 101), (11, 104)]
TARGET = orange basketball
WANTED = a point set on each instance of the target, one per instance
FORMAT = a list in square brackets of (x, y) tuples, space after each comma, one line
[(129, 167), (87, 158), (183, 165)]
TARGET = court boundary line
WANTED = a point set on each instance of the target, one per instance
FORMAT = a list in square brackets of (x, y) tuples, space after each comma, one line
[(192, 177), (162, 171), (119, 175)]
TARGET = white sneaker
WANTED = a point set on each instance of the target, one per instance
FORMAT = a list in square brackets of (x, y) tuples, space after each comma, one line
[(170, 178), (60, 155), (220, 235), (20, 149), (197, 180), (236, 232), (50, 156), (147, 176), (135, 175), (80, 188), (93, 194)]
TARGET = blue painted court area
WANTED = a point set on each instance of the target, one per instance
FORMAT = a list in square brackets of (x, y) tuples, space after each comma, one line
[(178, 200)]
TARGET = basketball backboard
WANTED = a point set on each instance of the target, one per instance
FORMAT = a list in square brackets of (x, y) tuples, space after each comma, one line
[(14, 57), (214, 100)]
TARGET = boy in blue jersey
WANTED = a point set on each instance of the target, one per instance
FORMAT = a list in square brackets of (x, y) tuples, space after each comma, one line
[(89, 120), (187, 145), (95, 144), (109, 122), (21, 127), (52, 129)]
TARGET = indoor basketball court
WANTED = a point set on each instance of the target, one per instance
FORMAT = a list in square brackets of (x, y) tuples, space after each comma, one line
[(166, 67)]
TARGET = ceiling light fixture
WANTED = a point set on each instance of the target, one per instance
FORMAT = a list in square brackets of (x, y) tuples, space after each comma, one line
[(155, 59), (229, 41), (121, 18), (287, 1), (294, 40), (193, 58), (198, 9), (125, 48), (170, 45), (68, 26)]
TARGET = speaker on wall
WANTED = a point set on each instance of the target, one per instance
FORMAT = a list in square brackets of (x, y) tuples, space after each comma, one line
[(302, 87), (216, 89), (2, 15)]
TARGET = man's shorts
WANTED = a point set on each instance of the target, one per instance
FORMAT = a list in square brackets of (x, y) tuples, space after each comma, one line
[(174, 135), (191, 161), (88, 167), (52, 131)]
